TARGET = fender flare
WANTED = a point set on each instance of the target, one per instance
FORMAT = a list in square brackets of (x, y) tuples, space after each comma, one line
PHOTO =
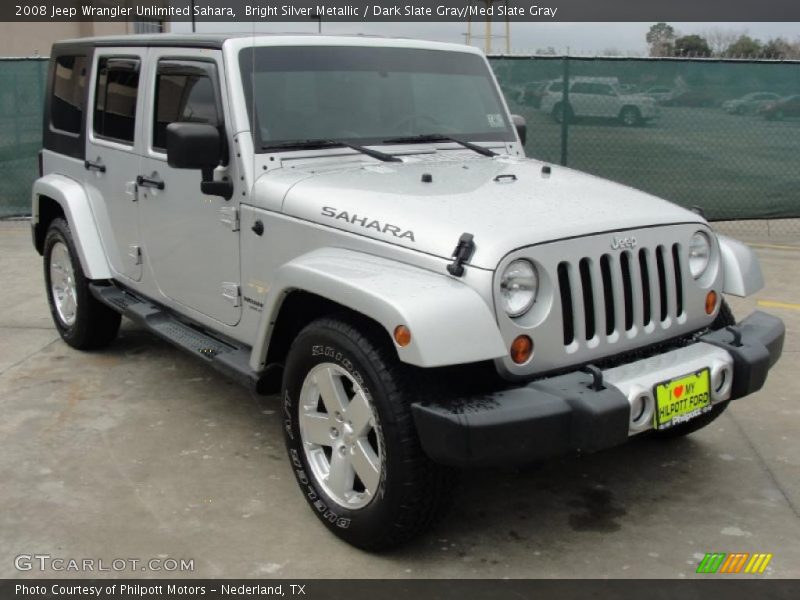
[(71, 196), (450, 323), (741, 270)]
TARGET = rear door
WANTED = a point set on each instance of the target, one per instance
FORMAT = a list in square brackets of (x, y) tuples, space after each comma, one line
[(191, 239), (582, 100), (113, 146)]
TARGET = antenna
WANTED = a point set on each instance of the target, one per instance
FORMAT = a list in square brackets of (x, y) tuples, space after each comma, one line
[(488, 36)]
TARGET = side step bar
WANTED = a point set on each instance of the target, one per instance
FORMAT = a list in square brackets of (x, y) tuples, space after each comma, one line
[(227, 357)]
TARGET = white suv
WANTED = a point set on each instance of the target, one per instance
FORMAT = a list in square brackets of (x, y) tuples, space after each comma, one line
[(598, 97)]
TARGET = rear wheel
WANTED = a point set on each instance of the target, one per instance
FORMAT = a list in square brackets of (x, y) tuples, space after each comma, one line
[(81, 320), (724, 319), (351, 437)]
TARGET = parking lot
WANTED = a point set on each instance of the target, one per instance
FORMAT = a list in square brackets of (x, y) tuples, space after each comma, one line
[(693, 156), (141, 452)]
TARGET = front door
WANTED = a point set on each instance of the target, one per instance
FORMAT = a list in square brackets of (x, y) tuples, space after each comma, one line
[(113, 154), (191, 239)]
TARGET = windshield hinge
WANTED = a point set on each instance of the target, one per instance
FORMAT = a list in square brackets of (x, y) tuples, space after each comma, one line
[(462, 253), (230, 216), (231, 292)]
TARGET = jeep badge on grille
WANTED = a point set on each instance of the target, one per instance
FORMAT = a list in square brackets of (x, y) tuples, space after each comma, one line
[(619, 243)]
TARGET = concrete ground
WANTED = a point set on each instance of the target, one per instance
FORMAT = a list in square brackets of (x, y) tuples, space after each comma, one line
[(141, 452)]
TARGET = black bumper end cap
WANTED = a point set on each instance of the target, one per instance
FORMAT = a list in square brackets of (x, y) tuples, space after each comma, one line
[(755, 344), (521, 425)]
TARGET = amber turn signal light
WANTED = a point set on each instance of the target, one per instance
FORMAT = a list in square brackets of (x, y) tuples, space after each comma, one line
[(402, 335), (711, 302), (521, 349)]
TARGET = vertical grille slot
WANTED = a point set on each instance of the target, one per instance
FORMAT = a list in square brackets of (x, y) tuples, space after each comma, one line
[(588, 297), (678, 278), (662, 282), (627, 289), (646, 300), (566, 303), (608, 292)]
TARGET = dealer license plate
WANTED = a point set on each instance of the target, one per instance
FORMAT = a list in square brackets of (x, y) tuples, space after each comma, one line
[(679, 400)]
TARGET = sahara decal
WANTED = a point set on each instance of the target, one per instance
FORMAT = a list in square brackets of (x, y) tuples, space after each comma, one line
[(367, 223)]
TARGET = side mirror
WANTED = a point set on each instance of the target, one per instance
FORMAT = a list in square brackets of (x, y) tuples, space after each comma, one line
[(198, 146), (521, 127)]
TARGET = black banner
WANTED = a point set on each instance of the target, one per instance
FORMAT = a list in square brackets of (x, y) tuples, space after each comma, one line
[(732, 588), (400, 10)]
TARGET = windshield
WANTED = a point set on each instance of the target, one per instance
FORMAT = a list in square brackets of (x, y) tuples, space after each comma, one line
[(368, 95)]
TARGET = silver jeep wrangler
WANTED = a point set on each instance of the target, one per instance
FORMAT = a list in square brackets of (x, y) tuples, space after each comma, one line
[(352, 222)]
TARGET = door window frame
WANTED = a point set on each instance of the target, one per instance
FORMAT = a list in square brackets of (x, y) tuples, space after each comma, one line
[(211, 67), (98, 138)]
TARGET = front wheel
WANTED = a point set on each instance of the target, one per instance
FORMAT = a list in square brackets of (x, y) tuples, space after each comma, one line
[(351, 437), (630, 116), (81, 320), (558, 113)]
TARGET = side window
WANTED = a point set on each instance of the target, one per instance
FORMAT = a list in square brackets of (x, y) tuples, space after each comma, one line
[(115, 99), (67, 101), (183, 94), (604, 90), (581, 88)]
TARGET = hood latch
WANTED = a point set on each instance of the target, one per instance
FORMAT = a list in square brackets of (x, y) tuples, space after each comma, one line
[(462, 253)]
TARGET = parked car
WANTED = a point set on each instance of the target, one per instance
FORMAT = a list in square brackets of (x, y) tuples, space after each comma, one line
[(661, 93), (351, 223), (598, 97), (691, 98), (533, 93), (781, 109), (749, 104)]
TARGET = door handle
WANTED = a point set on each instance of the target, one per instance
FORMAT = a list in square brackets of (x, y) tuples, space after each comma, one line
[(94, 166), (142, 181)]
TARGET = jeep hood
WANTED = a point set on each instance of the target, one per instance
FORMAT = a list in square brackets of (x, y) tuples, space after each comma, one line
[(506, 203)]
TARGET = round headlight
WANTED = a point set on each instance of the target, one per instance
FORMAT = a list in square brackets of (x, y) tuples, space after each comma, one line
[(699, 253), (518, 287)]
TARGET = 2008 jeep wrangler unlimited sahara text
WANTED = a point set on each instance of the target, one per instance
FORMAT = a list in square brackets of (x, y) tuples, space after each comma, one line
[(352, 222)]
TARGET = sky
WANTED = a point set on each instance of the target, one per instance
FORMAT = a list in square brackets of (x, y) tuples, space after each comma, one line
[(578, 38)]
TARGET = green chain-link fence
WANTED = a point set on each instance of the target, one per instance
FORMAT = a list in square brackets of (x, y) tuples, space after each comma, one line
[(721, 135), (726, 136), (22, 88)]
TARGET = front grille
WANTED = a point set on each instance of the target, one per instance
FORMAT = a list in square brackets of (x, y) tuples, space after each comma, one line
[(627, 293)]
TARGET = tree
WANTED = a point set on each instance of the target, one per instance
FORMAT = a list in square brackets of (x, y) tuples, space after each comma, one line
[(692, 45), (777, 48), (744, 47), (719, 39), (661, 38)]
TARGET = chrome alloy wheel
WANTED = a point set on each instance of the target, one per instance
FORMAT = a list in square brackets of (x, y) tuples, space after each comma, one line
[(340, 435), (62, 284)]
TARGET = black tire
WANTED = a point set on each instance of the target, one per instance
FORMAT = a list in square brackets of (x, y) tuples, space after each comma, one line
[(413, 491), (630, 116), (94, 324), (558, 113), (724, 319)]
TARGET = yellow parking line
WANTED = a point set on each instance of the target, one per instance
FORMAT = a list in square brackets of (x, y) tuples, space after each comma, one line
[(775, 246), (774, 304)]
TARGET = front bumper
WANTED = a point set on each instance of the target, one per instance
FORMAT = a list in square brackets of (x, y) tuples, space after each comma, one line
[(567, 413)]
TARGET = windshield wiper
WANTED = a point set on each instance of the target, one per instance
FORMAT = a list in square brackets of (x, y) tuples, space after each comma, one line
[(439, 137), (319, 144)]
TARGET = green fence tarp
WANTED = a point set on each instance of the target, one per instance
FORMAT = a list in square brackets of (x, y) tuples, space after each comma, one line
[(22, 88), (726, 139)]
